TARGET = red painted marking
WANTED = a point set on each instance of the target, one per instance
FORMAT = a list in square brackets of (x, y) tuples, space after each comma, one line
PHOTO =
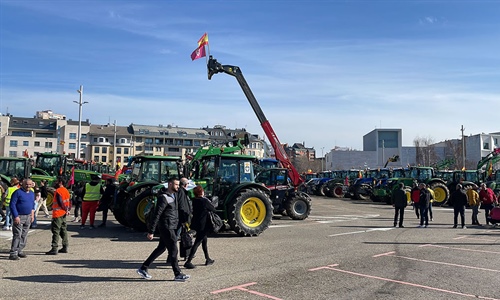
[(384, 254), (463, 249), (444, 263), (242, 288), (413, 284)]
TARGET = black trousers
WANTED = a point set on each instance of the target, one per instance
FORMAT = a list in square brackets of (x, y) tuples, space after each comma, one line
[(201, 238), (168, 241), (401, 212), (459, 210)]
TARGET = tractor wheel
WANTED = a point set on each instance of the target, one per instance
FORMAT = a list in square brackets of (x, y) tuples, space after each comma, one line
[(119, 207), (250, 213), (136, 208), (441, 193), (362, 192), (338, 191), (299, 207), (50, 198)]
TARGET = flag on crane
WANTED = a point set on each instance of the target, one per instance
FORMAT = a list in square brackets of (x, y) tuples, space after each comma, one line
[(203, 40), (200, 51)]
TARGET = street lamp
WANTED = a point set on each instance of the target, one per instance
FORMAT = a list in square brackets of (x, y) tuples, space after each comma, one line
[(322, 158), (80, 103)]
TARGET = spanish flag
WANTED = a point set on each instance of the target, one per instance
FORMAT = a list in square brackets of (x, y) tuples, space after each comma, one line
[(203, 40), (198, 53)]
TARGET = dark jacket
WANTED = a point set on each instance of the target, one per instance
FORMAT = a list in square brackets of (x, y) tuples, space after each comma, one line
[(458, 198), (201, 207), (185, 206), (109, 194), (425, 198), (166, 214), (399, 198), (43, 191)]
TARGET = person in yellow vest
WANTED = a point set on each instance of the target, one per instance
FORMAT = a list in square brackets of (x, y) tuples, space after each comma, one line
[(60, 209), (91, 196), (14, 186), (473, 201)]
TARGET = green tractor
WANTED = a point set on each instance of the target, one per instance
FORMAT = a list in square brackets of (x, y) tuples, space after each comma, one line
[(135, 192)]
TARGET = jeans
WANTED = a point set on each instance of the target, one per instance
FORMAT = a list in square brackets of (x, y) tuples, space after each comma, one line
[(459, 210), (168, 241), (424, 216), (20, 234), (475, 211), (397, 211), (8, 219)]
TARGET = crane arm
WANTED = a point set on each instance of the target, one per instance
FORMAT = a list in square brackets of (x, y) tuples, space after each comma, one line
[(494, 157), (215, 67)]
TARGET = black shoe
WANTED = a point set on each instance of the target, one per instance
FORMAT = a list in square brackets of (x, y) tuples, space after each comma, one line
[(394, 225), (454, 226), (13, 257), (189, 265), (63, 250), (400, 226), (209, 262), (21, 255), (102, 225), (51, 252)]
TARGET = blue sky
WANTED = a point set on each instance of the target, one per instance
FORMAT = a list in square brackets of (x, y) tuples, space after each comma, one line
[(324, 72)]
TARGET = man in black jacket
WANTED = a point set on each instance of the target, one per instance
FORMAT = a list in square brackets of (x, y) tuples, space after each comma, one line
[(166, 218), (459, 200), (399, 201), (424, 202)]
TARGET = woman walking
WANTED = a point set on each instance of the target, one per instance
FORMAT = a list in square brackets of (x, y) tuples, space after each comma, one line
[(200, 222)]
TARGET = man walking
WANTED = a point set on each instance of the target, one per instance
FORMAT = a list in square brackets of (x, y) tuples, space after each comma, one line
[(459, 200), (166, 218), (424, 202), (399, 202), (22, 208), (60, 209), (185, 213)]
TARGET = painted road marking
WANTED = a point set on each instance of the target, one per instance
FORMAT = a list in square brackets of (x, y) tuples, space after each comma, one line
[(435, 262), (333, 268), (363, 231), (463, 249), (463, 237), (244, 289)]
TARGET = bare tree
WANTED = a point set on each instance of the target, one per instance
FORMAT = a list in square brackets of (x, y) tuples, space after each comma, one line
[(303, 164), (425, 151)]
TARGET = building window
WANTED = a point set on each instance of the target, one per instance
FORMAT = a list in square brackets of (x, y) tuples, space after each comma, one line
[(83, 146), (148, 141), (173, 150), (13, 143), (48, 145), (104, 150), (103, 159), (12, 153), (37, 144), (72, 145), (496, 142), (96, 149), (138, 139), (138, 148), (96, 158), (125, 151), (197, 143), (72, 136), (26, 143), (188, 143), (118, 150), (486, 146), (84, 136)]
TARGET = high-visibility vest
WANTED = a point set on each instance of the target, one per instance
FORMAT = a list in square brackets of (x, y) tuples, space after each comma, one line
[(10, 191), (58, 211), (92, 192)]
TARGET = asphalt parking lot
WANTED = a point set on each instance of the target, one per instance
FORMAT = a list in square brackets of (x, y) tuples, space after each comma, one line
[(344, 250)]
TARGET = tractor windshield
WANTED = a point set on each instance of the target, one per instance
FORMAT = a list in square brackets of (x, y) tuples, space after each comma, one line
[(155, 170), (12, 168), (50, 164), (235, 171)]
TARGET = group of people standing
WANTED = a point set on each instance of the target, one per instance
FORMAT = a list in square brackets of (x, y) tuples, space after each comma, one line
[(173, 211), (422, 197)]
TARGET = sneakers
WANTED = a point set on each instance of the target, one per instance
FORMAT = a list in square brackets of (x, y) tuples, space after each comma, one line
[(189, 265), (144, 274), (13, 257), (5, 228), (91, 227), (420, 226), (454, 226), (463, 227), (52, 252), (400, 226), (82, 227), (426, 226), (63, 250), (22, 255), (181, 277), (209, 261)]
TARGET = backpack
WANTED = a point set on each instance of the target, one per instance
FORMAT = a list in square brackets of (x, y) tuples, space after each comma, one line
[(216, 222)]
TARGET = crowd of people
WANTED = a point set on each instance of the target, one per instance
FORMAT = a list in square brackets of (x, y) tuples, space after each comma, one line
[(173, 212), (422, 197)]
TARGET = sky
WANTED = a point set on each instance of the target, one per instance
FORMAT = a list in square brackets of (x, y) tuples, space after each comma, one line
[(325, 73)]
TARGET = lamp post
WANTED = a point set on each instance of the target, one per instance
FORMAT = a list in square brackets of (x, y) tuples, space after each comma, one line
[(322, 158), (80, 104)]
